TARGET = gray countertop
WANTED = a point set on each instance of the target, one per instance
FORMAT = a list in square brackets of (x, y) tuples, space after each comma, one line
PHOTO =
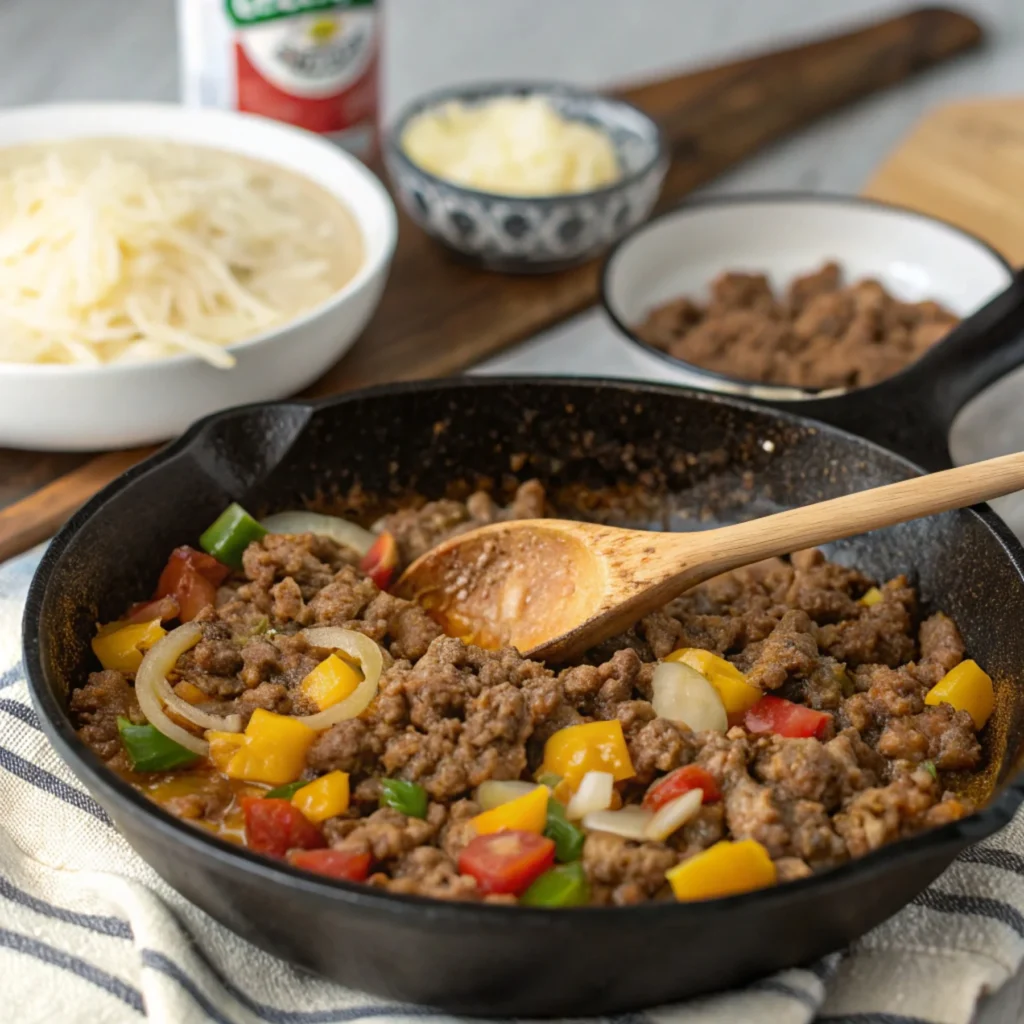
[(126, 49)]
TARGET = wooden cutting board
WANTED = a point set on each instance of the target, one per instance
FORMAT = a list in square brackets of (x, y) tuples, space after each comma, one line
[(438, 317), (965, 163)]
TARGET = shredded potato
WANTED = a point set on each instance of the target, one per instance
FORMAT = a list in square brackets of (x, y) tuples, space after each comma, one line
[(116, 251)]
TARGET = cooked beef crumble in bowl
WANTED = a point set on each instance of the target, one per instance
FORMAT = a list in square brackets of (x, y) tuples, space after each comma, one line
[(784, 296), (750, 777)]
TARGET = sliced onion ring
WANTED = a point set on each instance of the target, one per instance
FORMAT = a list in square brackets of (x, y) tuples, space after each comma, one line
[(594, 794), (629, 822), (205, 720), (341, 530), (675, 814), (160, 659), (361, 649)]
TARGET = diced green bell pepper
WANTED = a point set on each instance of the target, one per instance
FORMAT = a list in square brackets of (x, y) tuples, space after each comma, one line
[(568, 838), (230, 534), (150, 750), (409, 798), (285, 792), (549, 779), (563, 886), (929, 767)]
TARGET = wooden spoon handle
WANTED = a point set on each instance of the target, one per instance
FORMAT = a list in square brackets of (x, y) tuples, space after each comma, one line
[(730, 547)]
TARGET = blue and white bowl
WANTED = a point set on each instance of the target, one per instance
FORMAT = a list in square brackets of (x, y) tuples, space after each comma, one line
[(534, 234)]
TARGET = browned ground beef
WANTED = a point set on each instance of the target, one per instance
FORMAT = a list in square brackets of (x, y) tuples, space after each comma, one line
[(451, 716), (820, 335)]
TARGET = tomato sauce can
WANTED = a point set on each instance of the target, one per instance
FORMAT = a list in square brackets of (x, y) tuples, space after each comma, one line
[(310, 63)]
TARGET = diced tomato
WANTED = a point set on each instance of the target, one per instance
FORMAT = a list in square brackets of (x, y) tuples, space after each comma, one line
[(347, 864), (784, 718), (381, 561), (274, 827), (191, 577), (163, 608), (681, 781), (507, 862)]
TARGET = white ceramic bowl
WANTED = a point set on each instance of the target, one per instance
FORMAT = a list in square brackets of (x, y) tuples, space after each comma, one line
[(77, 408), (783, 235)]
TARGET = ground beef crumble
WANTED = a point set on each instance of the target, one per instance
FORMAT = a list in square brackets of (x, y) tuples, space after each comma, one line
[(450, 716), (819, 334)]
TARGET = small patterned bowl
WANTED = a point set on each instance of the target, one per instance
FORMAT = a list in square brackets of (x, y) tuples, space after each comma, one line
[(534, 234)]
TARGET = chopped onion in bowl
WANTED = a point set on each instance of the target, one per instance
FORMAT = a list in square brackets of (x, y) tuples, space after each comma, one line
[(361, 649), (495, 792), (682, 694), (341, 530), (629, 822), (160, 659), (675, 814), (594, 794)]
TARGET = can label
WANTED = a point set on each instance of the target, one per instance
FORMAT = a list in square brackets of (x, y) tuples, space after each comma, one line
[(310, 63)]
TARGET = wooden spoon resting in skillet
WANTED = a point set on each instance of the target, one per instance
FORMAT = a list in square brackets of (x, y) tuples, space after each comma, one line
[(553, 587)]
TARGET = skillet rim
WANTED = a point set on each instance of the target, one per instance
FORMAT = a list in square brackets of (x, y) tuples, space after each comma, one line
[(716, 377), (129, 801)]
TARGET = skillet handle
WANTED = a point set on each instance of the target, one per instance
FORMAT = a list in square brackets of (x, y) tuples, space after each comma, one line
[(911, 413)]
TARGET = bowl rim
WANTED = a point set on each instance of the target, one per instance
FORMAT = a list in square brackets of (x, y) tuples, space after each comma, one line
[(750, 388), (369, 270), (86, 766), (488, 88)]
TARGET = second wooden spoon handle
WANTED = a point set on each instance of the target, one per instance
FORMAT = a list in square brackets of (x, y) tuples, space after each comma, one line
[(732, 546)]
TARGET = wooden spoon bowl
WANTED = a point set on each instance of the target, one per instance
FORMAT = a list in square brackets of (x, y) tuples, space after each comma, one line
[(553, 587)]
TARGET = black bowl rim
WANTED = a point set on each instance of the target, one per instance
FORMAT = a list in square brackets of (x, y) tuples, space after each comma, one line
[(499, 87), (129, 801), (767, 391)]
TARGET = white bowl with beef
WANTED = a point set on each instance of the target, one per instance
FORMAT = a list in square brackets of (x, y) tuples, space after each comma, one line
[(332, 236), (735, 259)]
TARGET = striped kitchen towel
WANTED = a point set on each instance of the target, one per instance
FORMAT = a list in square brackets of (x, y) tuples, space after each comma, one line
[(89, 933)]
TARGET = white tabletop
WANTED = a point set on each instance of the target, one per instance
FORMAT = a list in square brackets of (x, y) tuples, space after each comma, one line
[(126, 49)]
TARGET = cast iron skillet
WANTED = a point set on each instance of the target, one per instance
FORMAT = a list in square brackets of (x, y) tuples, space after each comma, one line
[(700, 459)]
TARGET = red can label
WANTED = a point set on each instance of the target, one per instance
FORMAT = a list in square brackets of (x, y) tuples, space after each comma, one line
[(310, 63)]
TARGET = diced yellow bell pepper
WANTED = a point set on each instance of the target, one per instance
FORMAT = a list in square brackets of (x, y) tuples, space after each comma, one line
[(722, 870), (189, 692), (223, 746), (732, 686), (527, 813), (274, 751), (594, 747), (323, 798), (330, 682), (871, 597), (121, 649), (968, 687)]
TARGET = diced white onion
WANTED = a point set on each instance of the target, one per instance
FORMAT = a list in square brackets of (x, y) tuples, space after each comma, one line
[(594, 794), (361, 649), (495, 792), (629, 822), (675, 814), (160, 659), (205, 720), (682, 694), (341, 530)]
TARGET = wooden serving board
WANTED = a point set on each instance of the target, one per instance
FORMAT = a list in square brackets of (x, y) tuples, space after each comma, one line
[(438, 317), (965, 163)]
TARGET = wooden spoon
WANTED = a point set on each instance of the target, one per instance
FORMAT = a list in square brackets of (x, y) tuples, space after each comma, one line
[(553, 587)]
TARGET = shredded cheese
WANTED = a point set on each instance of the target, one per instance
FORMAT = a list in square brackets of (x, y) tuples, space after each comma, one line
[(516, 146), (116, 251)]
